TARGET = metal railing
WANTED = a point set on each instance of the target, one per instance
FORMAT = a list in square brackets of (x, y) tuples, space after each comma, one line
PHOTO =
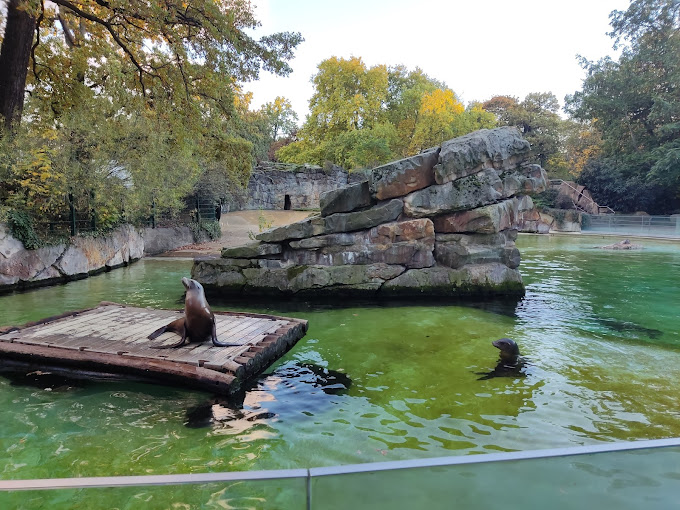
[(625, 475), (656, 226), (601, 209)]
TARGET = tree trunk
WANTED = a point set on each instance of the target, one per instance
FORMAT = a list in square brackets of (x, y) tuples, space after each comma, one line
[(15, 55)]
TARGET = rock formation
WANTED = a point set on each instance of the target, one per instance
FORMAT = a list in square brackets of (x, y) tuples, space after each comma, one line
[(297, 187), (22, 268), (441, 223)]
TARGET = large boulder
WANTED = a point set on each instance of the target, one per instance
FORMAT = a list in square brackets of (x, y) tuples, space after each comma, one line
[(358, 220), (408, 243), (501, 149), (478, 280), (466, 193), (458, 250), (252, 250), (309, 227), (508, 214), (400, 178), (354, 196)]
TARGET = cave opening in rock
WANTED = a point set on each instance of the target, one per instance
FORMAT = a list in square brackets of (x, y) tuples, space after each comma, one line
[(286, 203)]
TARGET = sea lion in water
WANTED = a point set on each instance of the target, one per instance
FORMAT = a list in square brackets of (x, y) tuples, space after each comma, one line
[(511, 362), (198, 322)]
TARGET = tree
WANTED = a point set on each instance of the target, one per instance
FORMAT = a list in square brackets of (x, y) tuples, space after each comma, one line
[(536, 117), (281, 116), (132, 103), (405, 91), (348, 95), (187, 52), (636, 104), (438, 111), (385, 112)]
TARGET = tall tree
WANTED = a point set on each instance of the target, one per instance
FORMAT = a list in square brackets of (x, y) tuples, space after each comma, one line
[(169, 48), (140, 97), (347, 95), (281, 117), (636, 102), (14, 55)]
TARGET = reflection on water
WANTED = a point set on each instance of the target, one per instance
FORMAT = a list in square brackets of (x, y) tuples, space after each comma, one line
[(600, 328)]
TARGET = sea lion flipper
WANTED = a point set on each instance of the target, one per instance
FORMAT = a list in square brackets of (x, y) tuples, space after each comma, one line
[(176, 326), (214, 339)]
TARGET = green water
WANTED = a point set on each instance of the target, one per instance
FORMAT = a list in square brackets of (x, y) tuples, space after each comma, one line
[(600, 328)]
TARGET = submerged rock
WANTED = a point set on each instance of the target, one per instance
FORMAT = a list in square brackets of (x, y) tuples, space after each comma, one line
[(622, 245)]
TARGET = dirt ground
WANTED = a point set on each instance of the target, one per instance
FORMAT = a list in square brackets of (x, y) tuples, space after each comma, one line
[(235, 229)]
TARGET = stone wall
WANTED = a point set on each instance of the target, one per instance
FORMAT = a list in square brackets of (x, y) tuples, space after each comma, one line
[(303, 185), (21, 268), (271, 183), (160, 240), (441, 223)]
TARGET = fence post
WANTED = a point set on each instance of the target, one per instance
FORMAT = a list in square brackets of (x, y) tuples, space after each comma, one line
[(93, 220), (72, 214), (153, 213)]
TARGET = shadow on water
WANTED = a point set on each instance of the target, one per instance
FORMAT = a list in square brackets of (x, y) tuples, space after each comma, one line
[(233, 413), (44, 380), (500, 305), (630, 327)]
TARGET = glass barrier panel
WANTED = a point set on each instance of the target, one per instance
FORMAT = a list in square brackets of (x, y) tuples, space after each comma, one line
[(631, 480), (285, 494)]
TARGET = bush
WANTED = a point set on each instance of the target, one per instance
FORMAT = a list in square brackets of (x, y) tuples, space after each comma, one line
[(545, 200), (210, 228), (21, 227)]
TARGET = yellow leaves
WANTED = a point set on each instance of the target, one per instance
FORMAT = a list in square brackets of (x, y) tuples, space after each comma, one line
[(242, 99), (439, 110), (36, 179), (441, 102)]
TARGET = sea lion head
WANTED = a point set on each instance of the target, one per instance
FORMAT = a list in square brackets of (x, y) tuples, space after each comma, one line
[(190, 284), (509, 349)]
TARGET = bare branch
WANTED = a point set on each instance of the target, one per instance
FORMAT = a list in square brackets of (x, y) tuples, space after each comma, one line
[(37, 39)]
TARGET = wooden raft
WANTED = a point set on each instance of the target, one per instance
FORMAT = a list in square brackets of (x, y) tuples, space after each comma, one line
[(111, 339)]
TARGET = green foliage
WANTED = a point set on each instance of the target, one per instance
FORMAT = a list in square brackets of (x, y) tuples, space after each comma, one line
[(138, 103), (624, 188), (262, 224), (545, 200), (361, 117), (636, 106), (211, 229), (21, 227)]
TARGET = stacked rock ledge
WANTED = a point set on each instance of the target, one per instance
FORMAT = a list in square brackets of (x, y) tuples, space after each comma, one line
[(442, 223)]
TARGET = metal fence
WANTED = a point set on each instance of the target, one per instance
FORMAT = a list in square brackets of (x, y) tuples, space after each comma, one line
[(657, 226), (632, 475)]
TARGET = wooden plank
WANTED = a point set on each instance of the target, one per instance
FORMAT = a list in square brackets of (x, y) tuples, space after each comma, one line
[(167, 371), (116, 336)]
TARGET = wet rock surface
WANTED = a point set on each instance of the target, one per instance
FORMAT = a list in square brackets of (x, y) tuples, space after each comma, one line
[(441, 223)]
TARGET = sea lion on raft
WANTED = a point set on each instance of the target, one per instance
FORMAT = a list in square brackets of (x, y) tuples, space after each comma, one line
[(511, 361), (198, 322)]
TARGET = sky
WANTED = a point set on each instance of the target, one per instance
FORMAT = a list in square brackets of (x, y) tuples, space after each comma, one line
[(479, 48)]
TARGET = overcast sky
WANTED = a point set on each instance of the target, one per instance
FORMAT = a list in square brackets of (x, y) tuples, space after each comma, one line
[(479, 48)]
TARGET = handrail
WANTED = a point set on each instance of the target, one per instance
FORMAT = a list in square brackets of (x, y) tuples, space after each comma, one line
[(559, 182), (308, 474)]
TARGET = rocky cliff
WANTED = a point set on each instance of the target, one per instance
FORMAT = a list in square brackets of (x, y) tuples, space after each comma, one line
[(82, 256), (296, 187), (441, 223)]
